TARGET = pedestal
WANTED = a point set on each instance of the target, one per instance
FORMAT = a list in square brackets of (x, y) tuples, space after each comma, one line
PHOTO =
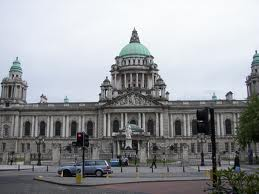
[(128, 144), (27, 158)]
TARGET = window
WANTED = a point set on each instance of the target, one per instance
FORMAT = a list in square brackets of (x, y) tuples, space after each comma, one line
[(116, 126), (27, 130), (43, 147), (150, 127), (22, 147), (232, 147), (194, 127), (228, 127), (42, 128), (181, 147), (57, 128), (6, 130), (226, 147), (133, 122), (192, 147), (90, 128), (73, 128), (4, 147), (100, 162), (199, 147), (178, 130), (209, 147), (28, 147)]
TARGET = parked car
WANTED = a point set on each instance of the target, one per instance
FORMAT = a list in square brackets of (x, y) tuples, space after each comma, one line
[(92, 167), (115, 162)]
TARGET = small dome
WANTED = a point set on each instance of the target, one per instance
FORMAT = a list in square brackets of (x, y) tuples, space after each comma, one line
[(160, 82), (255, 59), (66, 100), (106, 82), (16, 67)]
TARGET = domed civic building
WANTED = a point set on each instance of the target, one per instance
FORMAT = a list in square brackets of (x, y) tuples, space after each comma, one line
[(134, 116)]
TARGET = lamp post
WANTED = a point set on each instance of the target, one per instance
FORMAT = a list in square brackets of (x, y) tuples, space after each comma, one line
[(39, 141)]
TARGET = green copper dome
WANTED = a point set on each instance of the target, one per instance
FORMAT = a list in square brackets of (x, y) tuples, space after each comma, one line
[(16, 67), (134, 47), (255, 59)]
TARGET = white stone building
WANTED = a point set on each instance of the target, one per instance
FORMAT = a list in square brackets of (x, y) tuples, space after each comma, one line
[(135, 94)]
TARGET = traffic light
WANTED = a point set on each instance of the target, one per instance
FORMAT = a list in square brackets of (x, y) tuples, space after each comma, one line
[(79, 138), (86, 140), (203, 121)]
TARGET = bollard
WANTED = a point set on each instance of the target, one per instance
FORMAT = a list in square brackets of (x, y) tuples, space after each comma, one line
[(199, 168), (183, 169), (121, 169), (18, 167), (47, 168), (136, 169), (137, 173), (152, 169), (167, 169), (33, 168), (78, 176)]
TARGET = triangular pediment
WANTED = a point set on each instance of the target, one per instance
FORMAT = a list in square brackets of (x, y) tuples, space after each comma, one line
[(133, 99)]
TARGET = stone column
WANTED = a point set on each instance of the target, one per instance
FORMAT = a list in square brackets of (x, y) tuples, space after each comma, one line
[(36, 126), (48, 127), (143, 122), (125, 80), (188, 125), (63, 133), (115, 80), (33, 127), (16, 130), (67, 127), (122, 120), (83, 123), (21, 127), (161, 125), (109, 125), (172, 126), (104, 124), (51, 126), (131, 84), (143, 77), (126, 118), (218, 125), (184, 125), (137, 80), (79, 123), (139, 120), (222, 125), (235, 123), (95, 127), (157, 125), (118, 148)]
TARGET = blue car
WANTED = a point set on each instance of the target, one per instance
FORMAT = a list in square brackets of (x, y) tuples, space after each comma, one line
[(115, 162), (92, 167)]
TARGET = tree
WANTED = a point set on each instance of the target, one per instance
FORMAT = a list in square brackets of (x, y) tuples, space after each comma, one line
[(248, 130)]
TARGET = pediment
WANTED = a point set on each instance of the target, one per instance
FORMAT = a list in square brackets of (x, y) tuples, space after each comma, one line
[(133, 99)]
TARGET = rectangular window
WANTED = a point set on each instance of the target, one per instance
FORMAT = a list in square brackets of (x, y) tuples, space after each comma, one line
[(209, 147), (199, 147), (232, 147), (226, 147), (22, 147), (193, 147), (28, 147), (4, 147)]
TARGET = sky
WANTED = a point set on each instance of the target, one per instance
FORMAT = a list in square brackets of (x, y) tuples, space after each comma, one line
[(67, 47)]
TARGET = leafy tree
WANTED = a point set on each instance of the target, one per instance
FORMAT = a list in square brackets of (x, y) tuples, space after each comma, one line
[(248, 130)]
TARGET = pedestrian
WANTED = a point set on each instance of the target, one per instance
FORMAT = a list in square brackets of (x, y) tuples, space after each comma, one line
[(164, 158), (237, 163), (219, 160), (153, 162), (250, 156)]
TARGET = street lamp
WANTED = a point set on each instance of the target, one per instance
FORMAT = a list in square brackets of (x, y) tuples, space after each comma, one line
[(39, 141)]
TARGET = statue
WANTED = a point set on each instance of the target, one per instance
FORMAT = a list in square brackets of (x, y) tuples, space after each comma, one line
[(128, 131)]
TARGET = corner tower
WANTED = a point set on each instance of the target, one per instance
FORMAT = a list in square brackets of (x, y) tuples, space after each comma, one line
[(252, 81), (13, 87), (135, 70)]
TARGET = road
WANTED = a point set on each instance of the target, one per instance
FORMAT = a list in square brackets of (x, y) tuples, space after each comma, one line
[(22, 182)]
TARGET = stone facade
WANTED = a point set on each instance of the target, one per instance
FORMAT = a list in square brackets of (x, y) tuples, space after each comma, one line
[(136, 94)]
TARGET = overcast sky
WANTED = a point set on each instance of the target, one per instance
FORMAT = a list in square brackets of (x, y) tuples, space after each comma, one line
[(67, 47)]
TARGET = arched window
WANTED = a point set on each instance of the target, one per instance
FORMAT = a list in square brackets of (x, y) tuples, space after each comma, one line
[(90, 128), (6, 130), (133, 121), (42, 128), (73, 128), (150, 126), (228, 127), (116, 126), (27, 129), (178, 128), (57, 128), (194, 127)]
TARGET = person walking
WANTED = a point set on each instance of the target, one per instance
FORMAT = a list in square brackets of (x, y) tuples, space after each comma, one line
[(153, 162), (237, 163)]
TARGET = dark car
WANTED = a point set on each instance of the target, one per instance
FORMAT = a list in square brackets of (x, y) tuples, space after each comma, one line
[(92, 167)]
